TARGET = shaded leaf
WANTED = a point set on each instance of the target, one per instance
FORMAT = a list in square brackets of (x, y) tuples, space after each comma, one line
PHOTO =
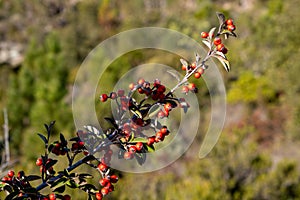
[(12, 195), (72, 184), (30, 190), (62, 139), (32, 178), (111, 121), (140, 157), (154, 110), (221, 18), (149, 148), (198, 58), (50, 164), (88, 158), (43, 138), (131, 137), (60, 189)]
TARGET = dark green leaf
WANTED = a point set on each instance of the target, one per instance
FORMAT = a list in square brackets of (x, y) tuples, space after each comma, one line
[(72, 184), (50, 164), (131, 137), (43, 138), (30, 190), (88, 158), (149, 148), (12, 195), (60, 189), (59, 182), (32, 178), (62, 139)]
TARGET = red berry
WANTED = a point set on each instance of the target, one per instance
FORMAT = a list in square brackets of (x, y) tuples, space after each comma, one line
[(185, 89), (141, 81), (52, 196), (39, 162), (114, 178), (131, 86), (192, 86), (168, 107), (231, 27), (220, 47), (10, 173), (159, 136), (161, 89), (217, 41), (103, 97), (224, 50), (197, 75), (229, 22), (161, 114), (128, 155), (121, 93), (151, 140), (103, 182), (104, 191), (204, 34), (102, 167), (183, 67), (132, 149), (164, 130), (99, 196), (193, 66), (200, 70), (139, 146), (66, 197)]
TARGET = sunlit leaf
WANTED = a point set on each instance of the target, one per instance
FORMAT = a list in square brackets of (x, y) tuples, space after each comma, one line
[(224, 62), (184, 62), (139, 139), (211, 33), (207, 43)]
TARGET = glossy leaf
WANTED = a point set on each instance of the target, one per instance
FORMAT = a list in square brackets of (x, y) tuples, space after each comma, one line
[(139, 139)]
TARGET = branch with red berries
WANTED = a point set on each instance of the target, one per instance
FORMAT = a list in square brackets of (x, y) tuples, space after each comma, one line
[(135, 129)]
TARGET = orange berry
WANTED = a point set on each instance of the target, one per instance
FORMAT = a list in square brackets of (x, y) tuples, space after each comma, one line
[(204, 34)]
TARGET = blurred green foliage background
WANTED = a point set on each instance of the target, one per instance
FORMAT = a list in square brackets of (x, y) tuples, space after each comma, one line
[(44, 42)]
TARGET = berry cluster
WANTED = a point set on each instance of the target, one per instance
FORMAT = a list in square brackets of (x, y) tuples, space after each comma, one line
[(138, 114), (106, 181), (128, 133)]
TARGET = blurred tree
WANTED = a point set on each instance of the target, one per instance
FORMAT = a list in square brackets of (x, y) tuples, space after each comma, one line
[(36, 93)]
